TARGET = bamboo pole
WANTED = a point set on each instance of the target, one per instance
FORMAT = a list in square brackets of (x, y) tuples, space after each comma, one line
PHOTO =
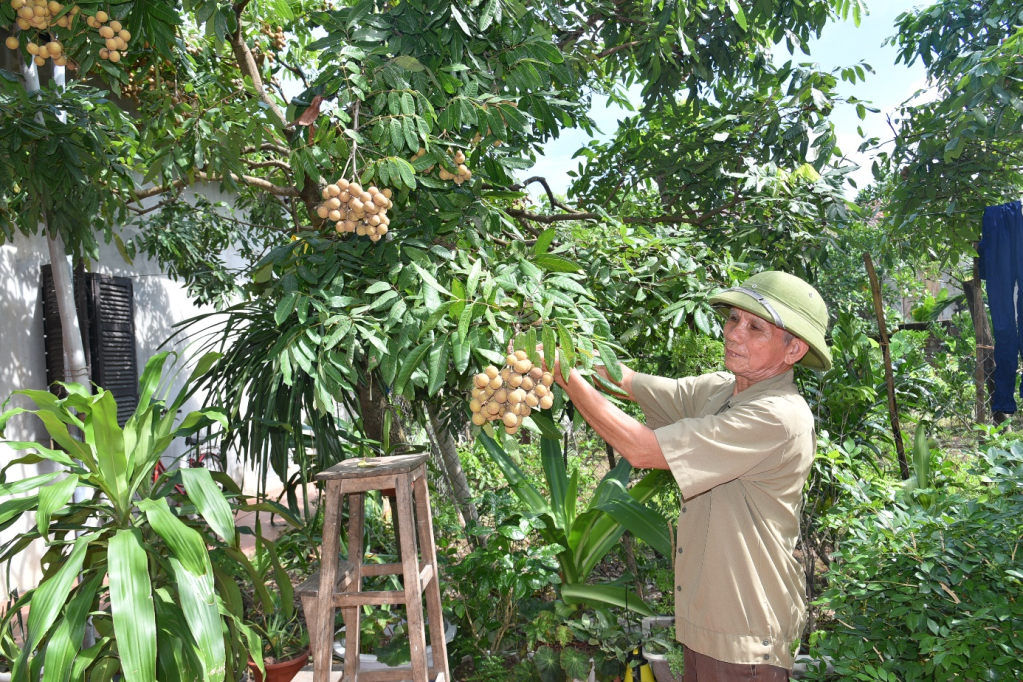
[(889, 375), (979, 315)]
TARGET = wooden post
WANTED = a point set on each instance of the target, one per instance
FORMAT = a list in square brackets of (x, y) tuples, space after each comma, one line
[(979, 317), (893, 409)]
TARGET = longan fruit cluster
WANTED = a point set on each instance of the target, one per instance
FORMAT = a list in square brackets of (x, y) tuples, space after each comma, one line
[(114, 35), (354, 209), (508, 395), (463, 174), (276, 34), (41, 51)]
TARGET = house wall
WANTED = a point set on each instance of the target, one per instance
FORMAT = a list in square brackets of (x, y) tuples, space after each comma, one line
[(160, 303)]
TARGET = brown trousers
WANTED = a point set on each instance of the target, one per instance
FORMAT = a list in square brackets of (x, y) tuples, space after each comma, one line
[(701, 668)]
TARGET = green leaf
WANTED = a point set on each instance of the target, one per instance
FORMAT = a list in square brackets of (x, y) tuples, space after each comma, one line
[(438, 365), (517, 481), (605, 594), (550, 346), (185, 543), (66, 641), (567, 351), (131, 605), (210, 501), (411, 363), (285, 307), (548, 429), (543, 242), (487, 16), (557, 479), (610, 360), (50, 596), (377, 288), (53, 498), (199, 604), (553, 263), (644, 523), (430, 279), (24, 485)]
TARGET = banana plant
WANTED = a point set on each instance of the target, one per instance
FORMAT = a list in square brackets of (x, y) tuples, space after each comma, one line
[(146, 573), (586, 536)]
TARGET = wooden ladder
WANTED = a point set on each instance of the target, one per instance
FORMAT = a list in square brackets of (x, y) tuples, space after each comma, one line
[(405, 475)]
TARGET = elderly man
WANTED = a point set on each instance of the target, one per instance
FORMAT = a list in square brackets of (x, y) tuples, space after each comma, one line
[(740, 445)]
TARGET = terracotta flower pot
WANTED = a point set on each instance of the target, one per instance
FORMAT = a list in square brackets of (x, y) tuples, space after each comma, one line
[(284, 671)]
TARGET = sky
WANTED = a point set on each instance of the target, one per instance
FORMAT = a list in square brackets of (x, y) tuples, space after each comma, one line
[(841, 44)]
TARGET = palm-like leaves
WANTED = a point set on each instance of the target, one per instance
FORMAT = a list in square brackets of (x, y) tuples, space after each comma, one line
[(586, 537), (144, 572)]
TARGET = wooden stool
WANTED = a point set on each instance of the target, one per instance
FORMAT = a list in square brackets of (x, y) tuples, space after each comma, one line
[(406, 475)]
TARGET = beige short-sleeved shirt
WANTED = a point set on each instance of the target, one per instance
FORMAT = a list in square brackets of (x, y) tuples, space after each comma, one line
[(740, 462)]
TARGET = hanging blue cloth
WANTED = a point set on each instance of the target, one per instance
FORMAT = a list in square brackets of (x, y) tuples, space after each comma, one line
[(1001, 265)]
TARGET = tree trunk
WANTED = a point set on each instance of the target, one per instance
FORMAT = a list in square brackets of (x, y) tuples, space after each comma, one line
[(373, 404), (974, 292), (453, 466)]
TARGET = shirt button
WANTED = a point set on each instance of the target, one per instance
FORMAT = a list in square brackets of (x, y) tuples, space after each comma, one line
[(683, 510), (767, 657), (679, 550), (678, 588), (766, 642)]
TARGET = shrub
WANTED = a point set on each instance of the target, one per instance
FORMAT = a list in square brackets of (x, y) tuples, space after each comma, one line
[(932, 594)]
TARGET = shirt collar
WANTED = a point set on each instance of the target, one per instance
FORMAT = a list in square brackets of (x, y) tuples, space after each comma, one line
[(758, 389)]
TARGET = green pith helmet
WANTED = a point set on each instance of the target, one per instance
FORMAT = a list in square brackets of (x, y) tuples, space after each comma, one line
[(787, 302)]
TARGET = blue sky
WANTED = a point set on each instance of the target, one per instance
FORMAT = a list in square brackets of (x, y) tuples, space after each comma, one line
[(840, 44)]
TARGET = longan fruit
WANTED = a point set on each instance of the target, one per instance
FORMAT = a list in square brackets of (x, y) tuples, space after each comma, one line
[(115, 56), (382, 228), (517, 396), (106, 32), (547, 402), (360, 230), (515, 379), (60, 61), (124, 34), (354, 188), (547, 379), (54, 48), (527, 383), (325, 193), (531, 400), (356, 205), (23, 24), (332, 191), (102, 16), (12, 43), (521, 355), (493, 408), (104, 53), (334, 215), (39, 60), (343, 184), (510, 420), (322, 211), (501, 395), (540, 390), (479, 419), (536, 373), (380, 200), (44, 52), (333, 203), (491, 371), (511, 430), (496, 383), (115, 25), (523, 366), (111, 44), (32, 48), (373, 220), (510, 359)]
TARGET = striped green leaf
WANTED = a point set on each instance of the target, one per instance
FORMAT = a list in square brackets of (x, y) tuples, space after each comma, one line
[(66, 641), (50, 597), (102, 430), (605, 594), (53, 498), (517, 481), (557, 479), (199, 604), (185, 543), (131, 605), (210, 502)]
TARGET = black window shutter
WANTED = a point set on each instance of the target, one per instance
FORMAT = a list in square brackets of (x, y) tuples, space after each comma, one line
[(106, 314)]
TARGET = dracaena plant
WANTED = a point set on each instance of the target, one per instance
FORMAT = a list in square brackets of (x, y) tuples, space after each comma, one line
[(586, 536), (143, 570)]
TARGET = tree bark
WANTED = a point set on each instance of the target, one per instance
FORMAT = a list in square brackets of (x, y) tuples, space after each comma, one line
[(453, 466), (984, 341), (373, 404)]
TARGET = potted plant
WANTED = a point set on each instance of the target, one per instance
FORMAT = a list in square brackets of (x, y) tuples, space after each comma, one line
[(594, 647), (661, 650), (285, 646)]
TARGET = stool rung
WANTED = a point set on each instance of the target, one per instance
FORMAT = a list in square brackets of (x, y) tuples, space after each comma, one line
[(397, 675), (344, 600)]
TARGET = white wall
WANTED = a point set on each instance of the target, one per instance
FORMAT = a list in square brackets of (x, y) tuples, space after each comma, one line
[(159, 304)]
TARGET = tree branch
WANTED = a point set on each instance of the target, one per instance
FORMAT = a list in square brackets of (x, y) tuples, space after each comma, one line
[(200, 176), (270, 163), (247, 65), (267, 147)]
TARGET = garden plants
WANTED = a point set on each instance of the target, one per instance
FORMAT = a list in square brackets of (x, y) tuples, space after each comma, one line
[(126, 559)]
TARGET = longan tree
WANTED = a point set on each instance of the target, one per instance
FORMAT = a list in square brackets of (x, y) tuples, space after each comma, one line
[(441, 103)]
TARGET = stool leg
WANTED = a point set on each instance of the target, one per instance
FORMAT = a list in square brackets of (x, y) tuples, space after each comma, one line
[(413, 589), (352, 616), (324, 633), (424, 520)]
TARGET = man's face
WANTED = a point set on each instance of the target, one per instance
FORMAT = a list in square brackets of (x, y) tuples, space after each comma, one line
[(756, 350)]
